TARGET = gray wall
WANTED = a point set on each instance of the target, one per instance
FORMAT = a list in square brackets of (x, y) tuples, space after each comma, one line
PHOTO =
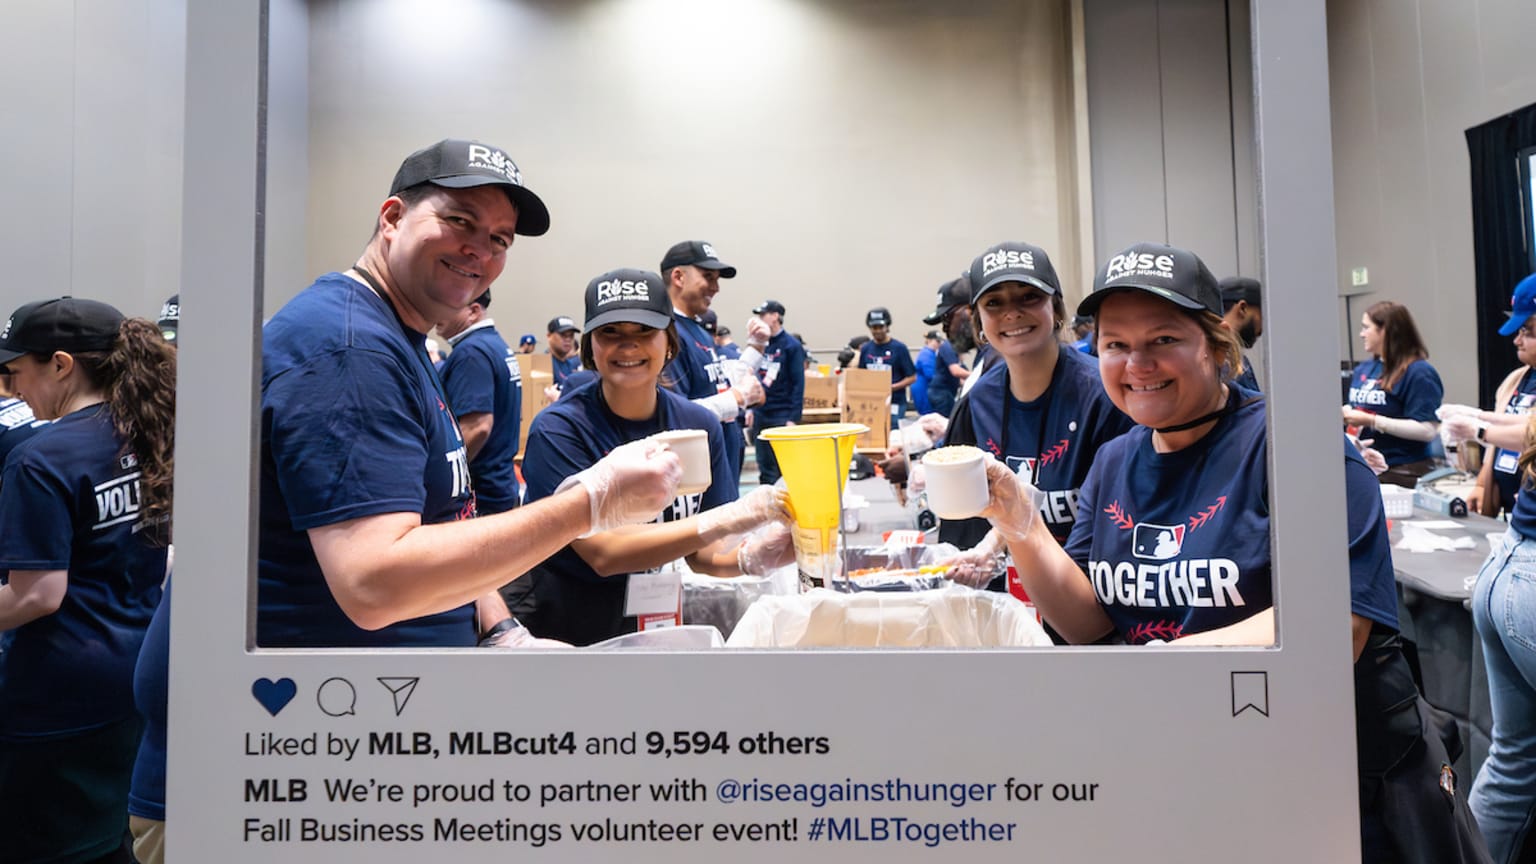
[(1409, 77), (841, 154), (92, 151)]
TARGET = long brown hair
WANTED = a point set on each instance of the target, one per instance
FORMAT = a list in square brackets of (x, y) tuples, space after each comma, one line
[(138, 377), (1400, 341)]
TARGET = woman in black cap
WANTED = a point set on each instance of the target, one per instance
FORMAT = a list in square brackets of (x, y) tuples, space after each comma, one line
[(606, 585), (84, 529), (1174, 543), (1042, 411), (1393, 395)]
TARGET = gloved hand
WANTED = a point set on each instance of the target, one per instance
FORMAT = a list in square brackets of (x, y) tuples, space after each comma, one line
[(1452, 409), (1457, 428), (917, 479), (758, 333), (750, 390), (768, 548), (1013, 504), (765, 504), (1373, 458), (975, 567), (632, 484)]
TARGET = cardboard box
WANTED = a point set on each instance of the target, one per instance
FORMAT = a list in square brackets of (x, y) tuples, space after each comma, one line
[(820, 393), (537, 373), (867, 400)]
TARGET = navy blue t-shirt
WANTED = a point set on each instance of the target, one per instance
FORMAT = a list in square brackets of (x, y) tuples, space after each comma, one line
[(71, 502), (696, 373), (943, 380), (1415, 397), (574, 604), (1051, 440), (481, 376), (1178, 543), (892, 355), (354, 423), (562, 369), (1505, 462), (1372, 584), (151, 693), (1523, 517), (783, 377), (1248, 380), (728, 351), (17, 424)]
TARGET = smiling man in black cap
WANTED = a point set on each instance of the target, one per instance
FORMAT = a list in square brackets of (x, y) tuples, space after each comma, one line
[(692, 272), (365, 476)]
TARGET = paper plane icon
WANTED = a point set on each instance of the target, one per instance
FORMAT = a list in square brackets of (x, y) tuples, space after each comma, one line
[(401, 689)]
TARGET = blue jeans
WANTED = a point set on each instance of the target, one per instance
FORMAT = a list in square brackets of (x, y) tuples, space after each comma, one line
[(1504, 614)]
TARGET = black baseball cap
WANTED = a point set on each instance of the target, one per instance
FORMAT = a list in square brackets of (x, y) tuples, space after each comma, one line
[(878, 317), (698, 253), (709, 320), (66, 324), (954, 293), (562, 324), (1012, 262), (1240, 288), (769, 306), (457, 164), (1174, 274), (484, 299), (628, 295), (170, 317)]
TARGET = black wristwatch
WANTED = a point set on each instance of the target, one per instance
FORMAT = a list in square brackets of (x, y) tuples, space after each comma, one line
[(503, 626), (1482, 433)]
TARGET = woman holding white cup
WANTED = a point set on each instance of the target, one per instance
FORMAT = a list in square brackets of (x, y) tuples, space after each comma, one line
[(614, 582)]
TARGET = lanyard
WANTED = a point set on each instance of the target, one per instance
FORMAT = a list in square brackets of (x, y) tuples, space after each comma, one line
[(1045, 413)]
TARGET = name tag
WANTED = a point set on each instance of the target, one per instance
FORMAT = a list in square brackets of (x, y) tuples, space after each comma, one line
[(657, 593), (1507, 462)]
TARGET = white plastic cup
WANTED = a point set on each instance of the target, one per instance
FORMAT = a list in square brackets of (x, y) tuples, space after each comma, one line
[(957, 481), (692, 447)]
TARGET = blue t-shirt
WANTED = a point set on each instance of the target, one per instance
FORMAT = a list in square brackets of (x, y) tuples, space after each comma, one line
[(1415, 397), (923, 365), (1178, 543), (151, 693), (1505, 462), (783, 378), (696, 373), (563, 369), (481, 376), (354, 422), (1051, 440), (17, 424), (1372, 584), (728, 351), (893, 356), (71, 502), (574, 604), (1248, 380), (944, 384)]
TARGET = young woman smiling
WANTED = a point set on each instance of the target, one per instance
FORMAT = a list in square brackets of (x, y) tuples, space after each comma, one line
[(605, 585), (1393, 395), (1042, 411)]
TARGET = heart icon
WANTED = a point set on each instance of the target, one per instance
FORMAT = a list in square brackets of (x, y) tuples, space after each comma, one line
[(274, 695)]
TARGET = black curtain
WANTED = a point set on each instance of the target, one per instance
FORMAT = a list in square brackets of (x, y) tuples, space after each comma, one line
[(1498, 241)]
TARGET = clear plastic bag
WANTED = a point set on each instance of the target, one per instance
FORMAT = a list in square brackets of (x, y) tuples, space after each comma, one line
[(950, 617)]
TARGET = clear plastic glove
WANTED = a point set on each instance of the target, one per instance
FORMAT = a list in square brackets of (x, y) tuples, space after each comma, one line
[(750, 390), (1013, 503), (936, 425), (1457, 428), (1373, 458), (766, 549), (917, 479), (632, 484), (765, 504), (977, 566), (758, 333), (1451, 409)]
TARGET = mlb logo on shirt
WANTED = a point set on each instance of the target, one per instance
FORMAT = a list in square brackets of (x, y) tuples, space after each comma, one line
[(1024, 466), (1157, 542), (1522, 402)]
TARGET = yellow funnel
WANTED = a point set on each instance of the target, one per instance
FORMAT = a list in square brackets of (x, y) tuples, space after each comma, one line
[(814, 459)]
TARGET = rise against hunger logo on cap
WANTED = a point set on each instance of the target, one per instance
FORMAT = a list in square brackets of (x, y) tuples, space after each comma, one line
[(1128, 264), (628, 295), (1012, 262), (6, 333), (492, 159), (1174, 274)]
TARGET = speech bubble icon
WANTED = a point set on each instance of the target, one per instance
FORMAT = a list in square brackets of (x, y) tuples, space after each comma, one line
[(337, 697)]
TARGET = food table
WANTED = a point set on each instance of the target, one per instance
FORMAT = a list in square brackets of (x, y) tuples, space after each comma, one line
[(1433, 609)]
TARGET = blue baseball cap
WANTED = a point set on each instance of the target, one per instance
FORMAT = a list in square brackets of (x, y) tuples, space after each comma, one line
[(1522, 306), (527, 340)]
